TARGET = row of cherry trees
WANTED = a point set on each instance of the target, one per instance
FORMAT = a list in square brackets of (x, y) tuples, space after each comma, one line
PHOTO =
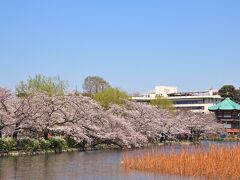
[(83, 119)]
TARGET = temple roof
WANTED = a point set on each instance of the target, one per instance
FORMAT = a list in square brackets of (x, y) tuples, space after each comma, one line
[(226, 104)]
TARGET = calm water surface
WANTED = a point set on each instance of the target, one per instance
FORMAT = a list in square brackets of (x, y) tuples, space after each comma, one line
[(96, 165)]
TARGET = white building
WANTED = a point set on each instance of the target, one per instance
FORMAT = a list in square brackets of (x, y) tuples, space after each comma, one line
[(194, 101), (162, 91), (165, 90)]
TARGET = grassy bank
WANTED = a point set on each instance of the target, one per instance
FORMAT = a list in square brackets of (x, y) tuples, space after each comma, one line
[(57, 144), (28, 146), (214, 163), (222, 138)]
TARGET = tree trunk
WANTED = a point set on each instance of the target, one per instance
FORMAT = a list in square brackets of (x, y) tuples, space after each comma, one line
[(15, 133), (46, 132)]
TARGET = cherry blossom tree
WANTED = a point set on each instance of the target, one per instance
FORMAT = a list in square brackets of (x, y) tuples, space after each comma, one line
[(86, 121), (145, 119), (160, 124), (49, 110), (6, 111), (131, 124), (27, 110), (196, 124)]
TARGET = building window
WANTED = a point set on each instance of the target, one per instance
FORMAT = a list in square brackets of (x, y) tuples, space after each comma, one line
[(198, 108), (189, 102), (191, 108), (227, 115)]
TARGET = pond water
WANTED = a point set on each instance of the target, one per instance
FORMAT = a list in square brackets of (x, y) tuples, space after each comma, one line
[(95, 165)]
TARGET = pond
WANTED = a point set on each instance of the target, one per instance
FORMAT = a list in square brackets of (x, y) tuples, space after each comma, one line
[(96, 165)]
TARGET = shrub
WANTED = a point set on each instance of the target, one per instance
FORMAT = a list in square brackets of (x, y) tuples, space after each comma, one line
[(7, 144), (231, 136), (163, 103), (111, 96), (44, 144), (58, 143), (29, 145), (72, 143)]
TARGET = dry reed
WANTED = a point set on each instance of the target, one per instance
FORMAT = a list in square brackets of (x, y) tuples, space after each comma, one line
[(216, 162)]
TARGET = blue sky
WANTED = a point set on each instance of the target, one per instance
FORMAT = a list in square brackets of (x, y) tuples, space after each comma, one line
[(134, 44)]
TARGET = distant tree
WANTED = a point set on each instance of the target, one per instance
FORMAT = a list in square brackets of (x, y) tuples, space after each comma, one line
[(94, 84), (111, 96), (162, 103), (41, 83), (237, 98), (231, 92)]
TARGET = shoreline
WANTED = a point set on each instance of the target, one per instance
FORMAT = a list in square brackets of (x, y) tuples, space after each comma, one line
[(103, 147), (68, 150), (23, 153)]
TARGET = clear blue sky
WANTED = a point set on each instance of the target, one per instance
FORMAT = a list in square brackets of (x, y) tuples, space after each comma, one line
[(134, 44)]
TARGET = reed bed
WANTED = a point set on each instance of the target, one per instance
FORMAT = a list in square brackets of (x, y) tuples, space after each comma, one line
[(215, 162)]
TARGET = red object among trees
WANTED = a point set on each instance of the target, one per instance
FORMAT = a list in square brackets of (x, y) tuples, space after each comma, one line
[(49, 136), (233, 130)]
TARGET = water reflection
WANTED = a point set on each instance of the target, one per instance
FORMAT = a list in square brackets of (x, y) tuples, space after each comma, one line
[(95, 165)]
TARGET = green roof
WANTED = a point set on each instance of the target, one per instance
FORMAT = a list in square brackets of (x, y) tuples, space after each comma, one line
[(226, 104)]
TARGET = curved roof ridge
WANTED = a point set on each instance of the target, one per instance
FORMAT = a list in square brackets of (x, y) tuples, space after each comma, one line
[(226, 104)]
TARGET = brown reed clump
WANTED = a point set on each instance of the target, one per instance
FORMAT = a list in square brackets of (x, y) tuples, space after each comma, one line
[(217, 162)]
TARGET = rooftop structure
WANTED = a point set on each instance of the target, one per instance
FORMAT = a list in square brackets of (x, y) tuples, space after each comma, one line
[(226, 104), (194, 101), (228, 112), (164, 91)]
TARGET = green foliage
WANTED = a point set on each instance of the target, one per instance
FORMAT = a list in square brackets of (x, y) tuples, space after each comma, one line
[(231, 136), (231, 92), (28, 145), (58, 143), (33, 145), (40, 83), (87, 95), (163, 103), (7, 145), (72, 143), (44, 144), (111, 96)]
